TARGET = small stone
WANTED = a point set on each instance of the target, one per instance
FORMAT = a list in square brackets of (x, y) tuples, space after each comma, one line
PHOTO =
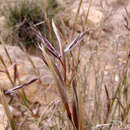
[(116, 78), (108, 67), (105, 72)]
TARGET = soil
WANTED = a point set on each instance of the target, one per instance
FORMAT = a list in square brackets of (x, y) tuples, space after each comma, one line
[(104, 57)]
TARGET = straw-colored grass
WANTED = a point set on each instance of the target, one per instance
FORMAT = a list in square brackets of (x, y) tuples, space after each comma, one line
[(85, 101)]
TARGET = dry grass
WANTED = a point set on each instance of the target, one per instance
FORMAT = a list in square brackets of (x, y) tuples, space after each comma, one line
[(91, 94)]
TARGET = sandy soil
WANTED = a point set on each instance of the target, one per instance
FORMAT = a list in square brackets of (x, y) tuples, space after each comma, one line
[(104, 56)]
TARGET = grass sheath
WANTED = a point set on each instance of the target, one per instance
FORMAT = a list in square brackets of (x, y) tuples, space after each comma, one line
[(59, 83), (75, 106)]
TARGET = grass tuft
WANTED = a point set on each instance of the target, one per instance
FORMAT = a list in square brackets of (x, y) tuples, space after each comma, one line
[(23, 13)]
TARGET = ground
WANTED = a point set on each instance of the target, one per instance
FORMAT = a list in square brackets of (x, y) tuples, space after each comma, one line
[(104, 64)]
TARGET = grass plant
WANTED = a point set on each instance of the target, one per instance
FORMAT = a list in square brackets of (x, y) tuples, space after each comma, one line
[(23, 13), (77, 106)]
